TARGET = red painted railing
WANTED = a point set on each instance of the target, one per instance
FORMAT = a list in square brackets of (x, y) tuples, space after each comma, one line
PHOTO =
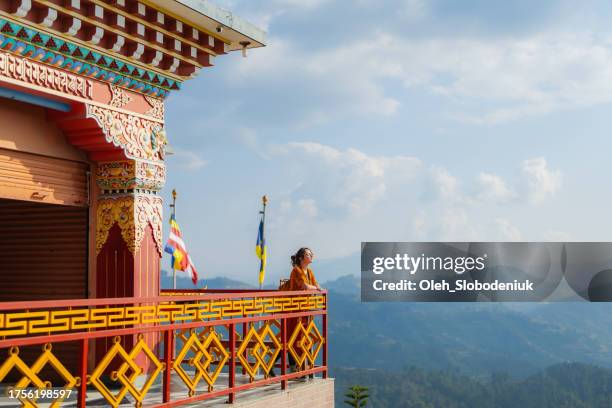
[(208, 343)]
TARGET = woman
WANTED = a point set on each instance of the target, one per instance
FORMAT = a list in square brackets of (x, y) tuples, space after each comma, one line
[(301, 278)]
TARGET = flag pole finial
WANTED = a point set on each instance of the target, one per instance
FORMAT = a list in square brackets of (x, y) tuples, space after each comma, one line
[(265, 200), (173, 205)]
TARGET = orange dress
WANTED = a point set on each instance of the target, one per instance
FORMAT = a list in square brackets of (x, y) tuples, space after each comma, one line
[(297, 280)]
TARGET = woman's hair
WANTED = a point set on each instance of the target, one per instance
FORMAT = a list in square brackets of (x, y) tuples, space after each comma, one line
[(296, 260)]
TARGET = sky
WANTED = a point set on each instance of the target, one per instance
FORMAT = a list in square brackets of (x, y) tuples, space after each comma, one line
[(399, 120)]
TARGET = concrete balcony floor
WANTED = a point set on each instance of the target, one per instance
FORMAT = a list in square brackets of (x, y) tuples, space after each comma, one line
[(317, 392)]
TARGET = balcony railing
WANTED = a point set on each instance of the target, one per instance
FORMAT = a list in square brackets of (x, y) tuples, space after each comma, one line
[(130, 350)]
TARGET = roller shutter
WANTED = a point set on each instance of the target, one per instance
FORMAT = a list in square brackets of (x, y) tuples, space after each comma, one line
[(43, 238), (31, 177), (43, 251)]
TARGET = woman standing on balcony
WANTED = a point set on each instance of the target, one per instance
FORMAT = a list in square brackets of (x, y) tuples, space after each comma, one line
[(301, 278)]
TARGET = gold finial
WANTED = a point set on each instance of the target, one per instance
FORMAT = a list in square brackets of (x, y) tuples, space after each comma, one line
[(265, 200), (174, 194)]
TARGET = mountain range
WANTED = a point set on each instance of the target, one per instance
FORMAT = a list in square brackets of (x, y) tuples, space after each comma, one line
[(471, 338)]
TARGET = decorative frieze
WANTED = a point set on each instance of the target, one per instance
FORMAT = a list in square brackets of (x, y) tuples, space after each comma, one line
[(130, 175), (31, 72), (53, 50), (150, 176)]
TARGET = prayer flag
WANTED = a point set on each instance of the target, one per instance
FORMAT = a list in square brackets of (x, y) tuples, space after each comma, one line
[(176, 247)]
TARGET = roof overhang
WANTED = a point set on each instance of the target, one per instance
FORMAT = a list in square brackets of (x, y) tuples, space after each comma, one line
[(236, 32)]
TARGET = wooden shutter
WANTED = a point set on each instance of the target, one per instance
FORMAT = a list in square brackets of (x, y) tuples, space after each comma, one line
[(43, 251), (31, 177)]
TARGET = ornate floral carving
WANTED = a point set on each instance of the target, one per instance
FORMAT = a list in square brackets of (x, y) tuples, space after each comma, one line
[(131, 174), (150, 176), (149, 212), (157, 107), (132, 213), (139, 138), (119, 97), (117, 170), (115, 210)]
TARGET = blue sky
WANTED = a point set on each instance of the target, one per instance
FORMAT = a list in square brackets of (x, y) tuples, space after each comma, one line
[(405, 120)]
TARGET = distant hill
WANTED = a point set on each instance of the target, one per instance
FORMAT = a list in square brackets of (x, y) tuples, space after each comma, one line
[(332, 269), (560, 386), (471, 338), (347, 285)]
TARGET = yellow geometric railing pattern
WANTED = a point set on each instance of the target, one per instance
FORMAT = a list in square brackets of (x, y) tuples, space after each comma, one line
[(56, 321), (203, 351), (31, 374), (204, 357), (127, 381), (264, 355), (305, 343)]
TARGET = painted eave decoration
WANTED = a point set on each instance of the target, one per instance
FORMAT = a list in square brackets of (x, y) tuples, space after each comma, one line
[(149, 46)]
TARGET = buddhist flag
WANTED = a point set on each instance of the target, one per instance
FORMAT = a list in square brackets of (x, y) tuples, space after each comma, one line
[(261, 251), (176, 247)]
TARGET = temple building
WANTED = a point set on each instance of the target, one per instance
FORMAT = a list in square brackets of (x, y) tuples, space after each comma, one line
[(82, 150)]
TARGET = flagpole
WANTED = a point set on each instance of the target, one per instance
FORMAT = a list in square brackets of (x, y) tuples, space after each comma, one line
[(173, 206), (264, 200)]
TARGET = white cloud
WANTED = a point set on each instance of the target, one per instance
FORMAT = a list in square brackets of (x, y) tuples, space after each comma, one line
[(348, 179), (187, 160), (419, 224), (443, 184), (524, 76), (322, 85), (489, 80), (541, 181), (308, 208), (506, 231), (413, 9), (330, 192), (249, 138), (455, 225), (492, 187)]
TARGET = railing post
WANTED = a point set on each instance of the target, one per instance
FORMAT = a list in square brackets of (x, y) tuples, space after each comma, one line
[(232, 364), (244, 333), (284, 352), (82, 390), (325, 341), (168, 352)]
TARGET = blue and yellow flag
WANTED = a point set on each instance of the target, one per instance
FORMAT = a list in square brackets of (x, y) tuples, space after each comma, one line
[(261, 251)]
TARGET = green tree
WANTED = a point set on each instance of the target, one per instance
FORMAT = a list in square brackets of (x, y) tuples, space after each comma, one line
[(357, 396)]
